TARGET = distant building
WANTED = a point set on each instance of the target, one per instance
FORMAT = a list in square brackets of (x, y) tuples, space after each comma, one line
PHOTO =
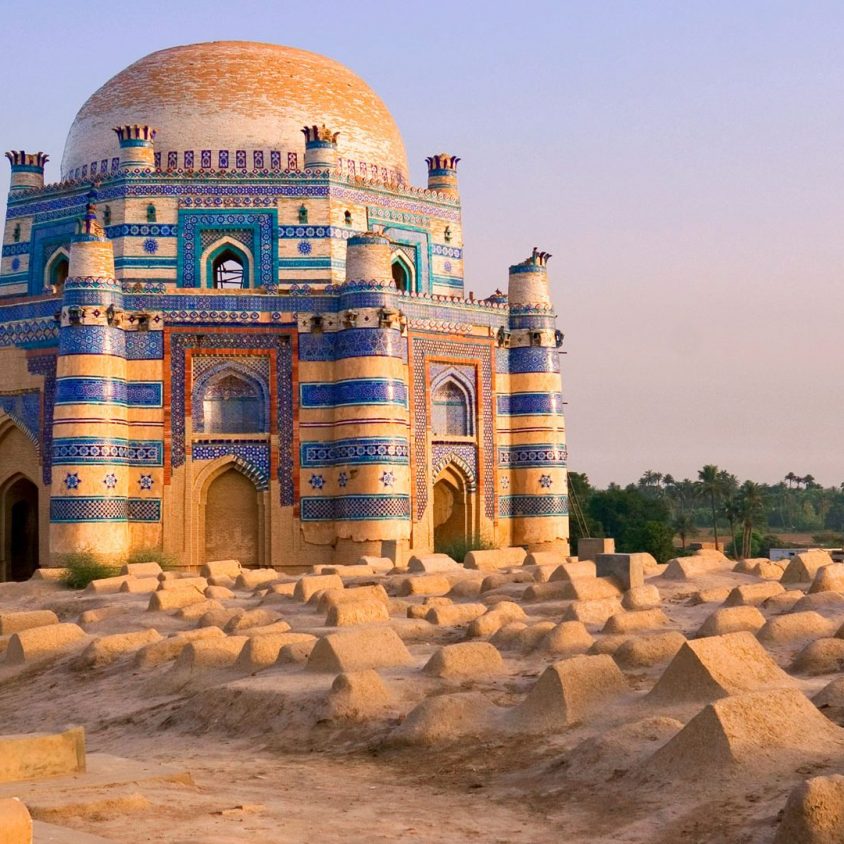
[(233, 329)]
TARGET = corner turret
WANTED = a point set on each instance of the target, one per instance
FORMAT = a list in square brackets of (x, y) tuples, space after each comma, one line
[(442, 174), (368, 258), (136, 146), (91, 252), (27, 169), (529, 281), (320, 148)]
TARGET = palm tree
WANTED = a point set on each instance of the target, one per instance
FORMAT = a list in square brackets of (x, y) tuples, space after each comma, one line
[(710, 485), (790, 478), (684, 526), (751, 504), (732, 512)]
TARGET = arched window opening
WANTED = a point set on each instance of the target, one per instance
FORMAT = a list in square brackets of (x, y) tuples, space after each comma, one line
[(228, 271), (451, 411), (231, 405), (401, 277), (58, 272)]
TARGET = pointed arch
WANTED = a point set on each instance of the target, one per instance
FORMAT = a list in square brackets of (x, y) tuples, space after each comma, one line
[(231, 399), (56, 269), (453, 405), (454, 509), (456, 466), (227, 250), (403, 273), (230, 496)]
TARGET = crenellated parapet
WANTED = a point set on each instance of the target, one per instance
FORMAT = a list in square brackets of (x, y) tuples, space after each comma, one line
[(320, 147), (529, 280), (27, 169), (136, 146), (442, 174)]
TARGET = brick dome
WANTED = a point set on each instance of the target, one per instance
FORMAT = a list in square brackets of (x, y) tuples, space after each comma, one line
[(237, 96)]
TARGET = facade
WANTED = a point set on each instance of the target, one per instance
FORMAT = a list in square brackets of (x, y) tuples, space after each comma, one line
[(234, 329)]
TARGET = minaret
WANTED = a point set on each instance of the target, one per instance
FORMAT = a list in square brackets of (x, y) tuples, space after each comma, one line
[(537, 499), (27, 170), (320, 148), (442, 174), (136, 146), (89, 500), (372, 414)]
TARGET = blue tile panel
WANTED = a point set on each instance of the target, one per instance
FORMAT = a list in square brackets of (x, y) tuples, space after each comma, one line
[(355, 451), (255, 456), (276, 344), (533, 359), (108, 391), (261, 224), (354, 508), (142, 230), (45, 365), (516, 506), (93, 340), (361, 391), (356, 342), (97, 508), (25, 409), (531, 404), (144, 345), (465, 456), (533, 455), (71, 450)]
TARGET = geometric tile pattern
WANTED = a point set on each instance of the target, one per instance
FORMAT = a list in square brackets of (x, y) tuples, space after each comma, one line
[(108, 391), (277, 344), (533, 359), (94, 339), (45, 365), (144, 345), (354, 451), (254, 455), (359, 391), (355, 508), (70, 450), (97, 508), (465, 456), (261, 225), (530, 404), (250, 374), (512, 506), (25, 409), (144, 509), (356, 342), (534, 454)]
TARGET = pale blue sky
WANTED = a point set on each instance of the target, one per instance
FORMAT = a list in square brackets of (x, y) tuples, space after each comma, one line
[(682, 162)]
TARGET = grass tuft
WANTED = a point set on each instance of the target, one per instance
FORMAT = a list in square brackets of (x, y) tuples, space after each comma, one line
[(81, 567)]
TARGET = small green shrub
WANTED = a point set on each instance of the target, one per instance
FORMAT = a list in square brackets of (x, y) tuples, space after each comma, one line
[(81, 567), (153, 555), (457, 549)]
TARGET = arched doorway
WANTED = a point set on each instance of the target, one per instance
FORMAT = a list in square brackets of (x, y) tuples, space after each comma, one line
[(452, 513), (232, 519), (21, 518)]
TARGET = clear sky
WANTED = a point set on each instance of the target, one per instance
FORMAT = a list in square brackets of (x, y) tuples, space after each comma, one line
[(683, 162)]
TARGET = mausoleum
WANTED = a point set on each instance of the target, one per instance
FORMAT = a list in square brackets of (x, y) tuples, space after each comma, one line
[(234, 329)]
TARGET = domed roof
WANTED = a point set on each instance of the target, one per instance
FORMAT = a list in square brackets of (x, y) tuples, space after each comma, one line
[(230, 96)]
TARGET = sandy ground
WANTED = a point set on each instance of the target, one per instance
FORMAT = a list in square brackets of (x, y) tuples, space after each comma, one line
[(269, 763)]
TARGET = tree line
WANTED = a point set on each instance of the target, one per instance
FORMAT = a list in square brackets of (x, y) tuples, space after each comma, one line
[(662, 515)]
